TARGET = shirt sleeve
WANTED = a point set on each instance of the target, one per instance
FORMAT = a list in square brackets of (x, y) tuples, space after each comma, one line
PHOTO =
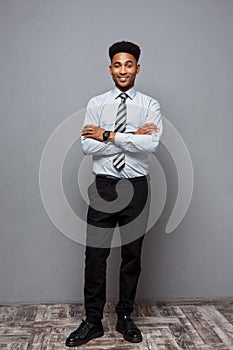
[(143, 143), (91, 146)]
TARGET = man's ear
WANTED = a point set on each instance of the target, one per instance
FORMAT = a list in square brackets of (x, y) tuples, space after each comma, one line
[(110, 69), (138, 68)]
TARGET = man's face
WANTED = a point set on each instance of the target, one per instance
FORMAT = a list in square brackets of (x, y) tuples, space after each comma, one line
[(124, 69)]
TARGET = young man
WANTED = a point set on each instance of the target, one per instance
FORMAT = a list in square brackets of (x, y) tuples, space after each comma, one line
[(122, 129)]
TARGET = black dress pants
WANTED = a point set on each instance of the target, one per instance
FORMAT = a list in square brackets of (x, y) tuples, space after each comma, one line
[(132, 221)]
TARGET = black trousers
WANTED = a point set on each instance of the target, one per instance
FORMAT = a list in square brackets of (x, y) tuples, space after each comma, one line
[(132, 221)]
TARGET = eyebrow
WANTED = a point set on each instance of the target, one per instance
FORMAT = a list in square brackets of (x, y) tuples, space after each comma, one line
[(128, 61)]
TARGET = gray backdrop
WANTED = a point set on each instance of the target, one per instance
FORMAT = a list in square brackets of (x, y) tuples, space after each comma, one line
[(53, 59)]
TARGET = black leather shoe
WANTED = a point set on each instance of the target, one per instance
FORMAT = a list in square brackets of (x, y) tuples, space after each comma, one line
[(130, 331), (85, 332)]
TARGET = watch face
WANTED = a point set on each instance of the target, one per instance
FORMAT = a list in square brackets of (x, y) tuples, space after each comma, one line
[(106, 135)]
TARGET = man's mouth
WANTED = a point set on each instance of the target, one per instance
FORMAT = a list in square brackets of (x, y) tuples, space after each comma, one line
[(123, 79)]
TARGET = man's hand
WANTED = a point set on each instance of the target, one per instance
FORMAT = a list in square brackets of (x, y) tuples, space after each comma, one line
[(92, 131), (147, 129)]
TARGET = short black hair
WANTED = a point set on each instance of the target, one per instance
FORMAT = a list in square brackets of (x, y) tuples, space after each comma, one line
[(125, 46)]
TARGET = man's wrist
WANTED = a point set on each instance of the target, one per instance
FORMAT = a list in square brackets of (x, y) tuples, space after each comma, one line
[(112, 136)]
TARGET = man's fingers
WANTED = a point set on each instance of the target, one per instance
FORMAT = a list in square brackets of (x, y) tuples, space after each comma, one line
[(152, 127), (87, 132), (148, 124), (89, 127)]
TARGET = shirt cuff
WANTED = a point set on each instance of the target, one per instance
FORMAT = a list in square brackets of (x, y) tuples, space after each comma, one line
[(120, 138)]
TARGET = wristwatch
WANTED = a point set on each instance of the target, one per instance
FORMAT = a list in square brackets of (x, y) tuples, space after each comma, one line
[(106, 135)]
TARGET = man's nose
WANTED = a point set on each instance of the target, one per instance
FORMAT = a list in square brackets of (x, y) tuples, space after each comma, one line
[(123, 70)]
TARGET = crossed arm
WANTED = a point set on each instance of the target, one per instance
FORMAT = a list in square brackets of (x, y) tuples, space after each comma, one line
[(145, 139), (95, 132)]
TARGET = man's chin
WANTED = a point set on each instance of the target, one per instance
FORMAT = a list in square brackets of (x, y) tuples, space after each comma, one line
[(124, 86)]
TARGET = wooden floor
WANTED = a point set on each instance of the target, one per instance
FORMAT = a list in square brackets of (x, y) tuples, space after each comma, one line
[(199, 325)]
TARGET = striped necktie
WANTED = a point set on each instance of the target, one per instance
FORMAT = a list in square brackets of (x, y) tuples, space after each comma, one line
[(120, 125)]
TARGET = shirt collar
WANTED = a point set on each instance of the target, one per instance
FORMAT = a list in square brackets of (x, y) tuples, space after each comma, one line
[(131, 92)]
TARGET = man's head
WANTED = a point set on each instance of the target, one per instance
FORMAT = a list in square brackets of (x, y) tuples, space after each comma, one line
[(125, 46), (124, 66)]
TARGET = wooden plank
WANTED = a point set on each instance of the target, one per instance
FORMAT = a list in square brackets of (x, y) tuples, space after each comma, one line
[(219, 323), (200, 324), (188, 336)]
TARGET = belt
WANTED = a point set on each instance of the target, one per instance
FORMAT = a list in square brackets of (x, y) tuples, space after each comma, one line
[(115, 179)]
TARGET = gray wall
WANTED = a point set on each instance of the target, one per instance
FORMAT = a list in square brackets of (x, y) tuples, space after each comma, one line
[(53, 59)]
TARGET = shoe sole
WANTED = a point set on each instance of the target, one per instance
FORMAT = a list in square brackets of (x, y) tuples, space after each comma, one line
[(84, 341), (126, 338)]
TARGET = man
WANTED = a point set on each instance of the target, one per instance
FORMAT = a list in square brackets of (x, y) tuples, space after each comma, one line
[(122, 129)]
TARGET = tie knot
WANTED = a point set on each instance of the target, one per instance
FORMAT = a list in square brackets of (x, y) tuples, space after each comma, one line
[(123, 96)]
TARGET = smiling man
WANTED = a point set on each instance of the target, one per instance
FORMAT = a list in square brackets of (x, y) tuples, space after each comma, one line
[(121, 131)]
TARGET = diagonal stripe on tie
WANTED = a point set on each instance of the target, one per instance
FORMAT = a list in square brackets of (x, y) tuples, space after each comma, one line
[(121, 108), (120, 125), (122, 116), (119, 162), (120, 128), (118, 159)]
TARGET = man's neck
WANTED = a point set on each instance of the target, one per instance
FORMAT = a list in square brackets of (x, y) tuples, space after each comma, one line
[(124, 90)]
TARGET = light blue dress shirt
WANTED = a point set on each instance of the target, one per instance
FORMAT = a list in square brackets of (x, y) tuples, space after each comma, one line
[(141, 109)]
